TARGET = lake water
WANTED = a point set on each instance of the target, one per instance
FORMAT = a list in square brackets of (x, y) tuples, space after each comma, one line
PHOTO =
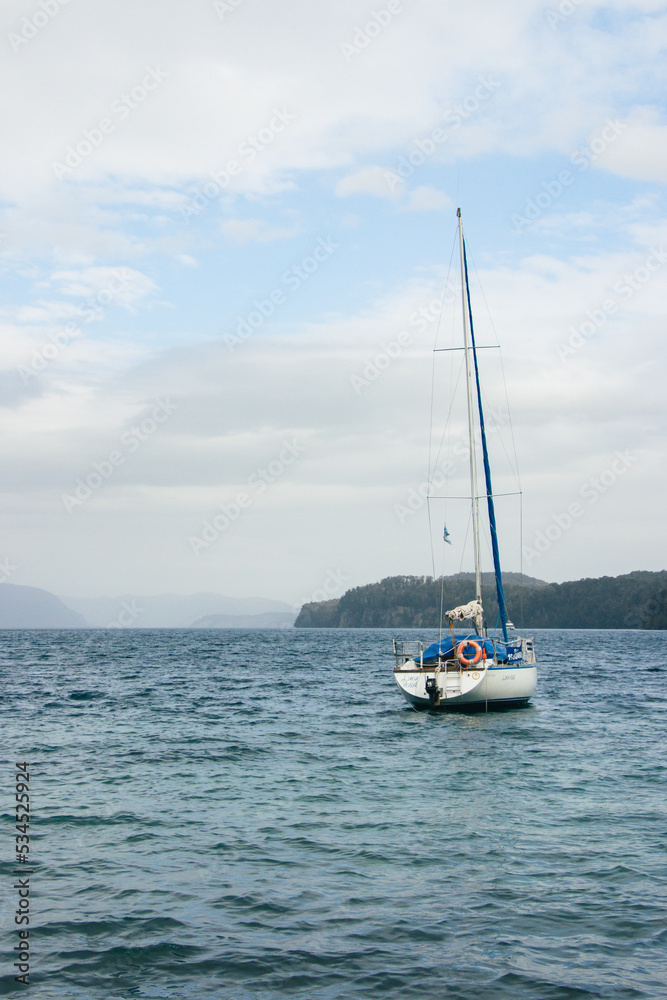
[(259, 815)]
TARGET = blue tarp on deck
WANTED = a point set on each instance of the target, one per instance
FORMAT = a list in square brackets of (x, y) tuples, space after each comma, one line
[(444, 647), (512, 651)]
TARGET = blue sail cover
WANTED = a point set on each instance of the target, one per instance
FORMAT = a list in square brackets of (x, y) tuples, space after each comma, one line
[(445, 648), (512, 652)]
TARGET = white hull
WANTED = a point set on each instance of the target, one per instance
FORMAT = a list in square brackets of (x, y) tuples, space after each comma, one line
[(484, 686)]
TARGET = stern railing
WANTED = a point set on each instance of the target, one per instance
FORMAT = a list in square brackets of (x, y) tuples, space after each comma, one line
[(408, 649)]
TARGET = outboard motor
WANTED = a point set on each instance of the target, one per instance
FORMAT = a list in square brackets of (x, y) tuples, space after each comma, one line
[(433, 692)]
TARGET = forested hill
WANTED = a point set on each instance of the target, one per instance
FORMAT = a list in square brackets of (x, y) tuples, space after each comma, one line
[(636, 600)]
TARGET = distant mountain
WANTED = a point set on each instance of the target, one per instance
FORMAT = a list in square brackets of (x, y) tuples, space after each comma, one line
[(270, 619), (169, 610), (635, 600), (509, 579), (406, 602), (30, 607)]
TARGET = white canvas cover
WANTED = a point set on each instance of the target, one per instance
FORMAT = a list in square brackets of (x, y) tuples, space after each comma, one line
[(472, 610)]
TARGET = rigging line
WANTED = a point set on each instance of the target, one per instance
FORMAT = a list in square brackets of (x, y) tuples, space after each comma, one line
[(430, 534), (442, 599), (452, 389), (512, 464), (445, 430), (454, 379), (485, 454), (511, 423), (482, 347), (451, 632), (444, 293), (435, 344), (430, 421), (480, 496), (515, 464), (521, 559), (465, 540), (502, 368)]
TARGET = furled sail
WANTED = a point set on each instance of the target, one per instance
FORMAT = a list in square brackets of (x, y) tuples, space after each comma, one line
[(471, 610)]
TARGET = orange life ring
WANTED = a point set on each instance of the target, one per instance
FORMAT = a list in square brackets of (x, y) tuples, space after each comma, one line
[(463, 659)]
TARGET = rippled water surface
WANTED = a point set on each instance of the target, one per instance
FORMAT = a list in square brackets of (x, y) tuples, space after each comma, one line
[(236, 815)]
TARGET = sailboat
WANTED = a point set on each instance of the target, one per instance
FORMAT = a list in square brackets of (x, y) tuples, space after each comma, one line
[(470, 669)]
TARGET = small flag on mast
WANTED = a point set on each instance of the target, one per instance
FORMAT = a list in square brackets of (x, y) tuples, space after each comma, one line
[(446, 536)]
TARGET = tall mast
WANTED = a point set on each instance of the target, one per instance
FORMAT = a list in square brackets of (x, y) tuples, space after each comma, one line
[(500, 594), (471, 415)]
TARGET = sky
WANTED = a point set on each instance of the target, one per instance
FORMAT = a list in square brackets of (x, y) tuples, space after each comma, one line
[(226, 240)]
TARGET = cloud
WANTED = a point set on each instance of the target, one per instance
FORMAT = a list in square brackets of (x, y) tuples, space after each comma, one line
[(303, 375), (428, 199), (47, 312), (362, 450), (101, 287), (369, 180), (272, 109), (114, 194), (237, 77), (86, 293), (641, 150), (255, 231)]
